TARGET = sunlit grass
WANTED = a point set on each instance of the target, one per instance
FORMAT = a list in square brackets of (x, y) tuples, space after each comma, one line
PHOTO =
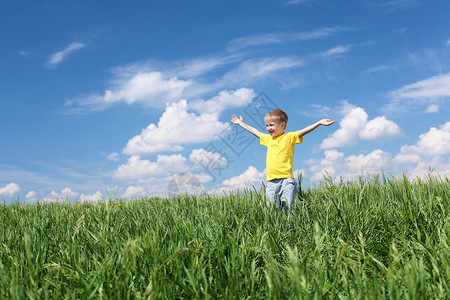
[(374, 237)]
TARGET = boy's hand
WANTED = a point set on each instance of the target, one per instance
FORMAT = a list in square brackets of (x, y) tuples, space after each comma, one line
[(237, 120), (326, 122)]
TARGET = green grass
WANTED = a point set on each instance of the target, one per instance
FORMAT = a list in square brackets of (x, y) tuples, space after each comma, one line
[(378, 237)]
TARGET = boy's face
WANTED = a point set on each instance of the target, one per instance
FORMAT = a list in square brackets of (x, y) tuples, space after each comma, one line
[(275, 128)]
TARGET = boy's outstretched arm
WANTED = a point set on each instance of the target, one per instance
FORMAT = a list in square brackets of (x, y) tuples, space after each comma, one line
[(239, 121), (306, 130)]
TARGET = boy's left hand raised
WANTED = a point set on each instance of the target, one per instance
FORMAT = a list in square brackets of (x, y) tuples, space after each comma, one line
[(236, 120)]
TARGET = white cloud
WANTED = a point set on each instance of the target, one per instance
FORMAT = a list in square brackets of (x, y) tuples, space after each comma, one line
[(141, 83), (296, 1), (428, 93), (281, 37), (113, 156), (133, 191), (436, 163), (225, 100), (331, 162), (65, 194), (185, 183), (434, 108), (434, 142), (141, 168), (376, 69), (249, 70), (432, 151), (68, 193), (97, 196), (355, 125), (251, 177), (406, 158), (24, 53), (351, 124), (10, 189), (371, 163), (380, 129), (204, 177), (204, 158), (151, 89), (31, 195), (394, 5), (178, 125), (58, 57), (334, 163), (148, 87), (201, 66), (336, 51), (434, 87)]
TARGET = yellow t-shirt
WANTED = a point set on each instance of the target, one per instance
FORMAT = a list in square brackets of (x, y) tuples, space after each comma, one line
[(280, 154)]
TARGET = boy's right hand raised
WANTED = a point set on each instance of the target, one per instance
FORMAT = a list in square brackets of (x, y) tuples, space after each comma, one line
[(237, 120)]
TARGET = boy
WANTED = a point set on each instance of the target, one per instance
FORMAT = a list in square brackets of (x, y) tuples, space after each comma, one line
[(280, 154)]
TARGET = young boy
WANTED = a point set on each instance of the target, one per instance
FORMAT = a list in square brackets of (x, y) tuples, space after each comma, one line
[(280, 154)]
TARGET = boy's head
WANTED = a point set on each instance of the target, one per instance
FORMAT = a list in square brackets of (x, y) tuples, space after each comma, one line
[(276, 121)]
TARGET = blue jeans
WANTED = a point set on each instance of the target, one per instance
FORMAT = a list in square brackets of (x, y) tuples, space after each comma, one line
[(282, 191)]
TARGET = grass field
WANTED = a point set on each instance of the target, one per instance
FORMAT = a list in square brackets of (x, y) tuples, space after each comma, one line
[(378, 237)]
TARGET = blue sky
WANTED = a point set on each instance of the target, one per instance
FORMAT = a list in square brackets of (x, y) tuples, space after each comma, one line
[(114, 97)]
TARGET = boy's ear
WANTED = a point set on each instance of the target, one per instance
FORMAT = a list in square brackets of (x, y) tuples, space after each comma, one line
[(284, 124)]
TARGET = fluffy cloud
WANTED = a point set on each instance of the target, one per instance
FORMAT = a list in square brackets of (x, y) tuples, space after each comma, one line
[(133, 191), (97, 196), (423, 168), (432, 151), (434, 142), (335, 164), (185, 183), (178, 125), (426, 94), (58, 57), (225, 99), (351, 124), (65, 194), (10, 189), (113, 156), (329, 163), (140, 168), (204, 158), (247, 179), (355, 125), (434, 108), (380, 129), (371, 163), (147, 87), (185, 79), (31, 195)]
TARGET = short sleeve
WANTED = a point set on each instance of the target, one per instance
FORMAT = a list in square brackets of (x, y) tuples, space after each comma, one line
[(264, 139), (296, 139)]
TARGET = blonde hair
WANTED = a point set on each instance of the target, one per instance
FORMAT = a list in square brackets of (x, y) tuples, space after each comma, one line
[(277, 115)]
